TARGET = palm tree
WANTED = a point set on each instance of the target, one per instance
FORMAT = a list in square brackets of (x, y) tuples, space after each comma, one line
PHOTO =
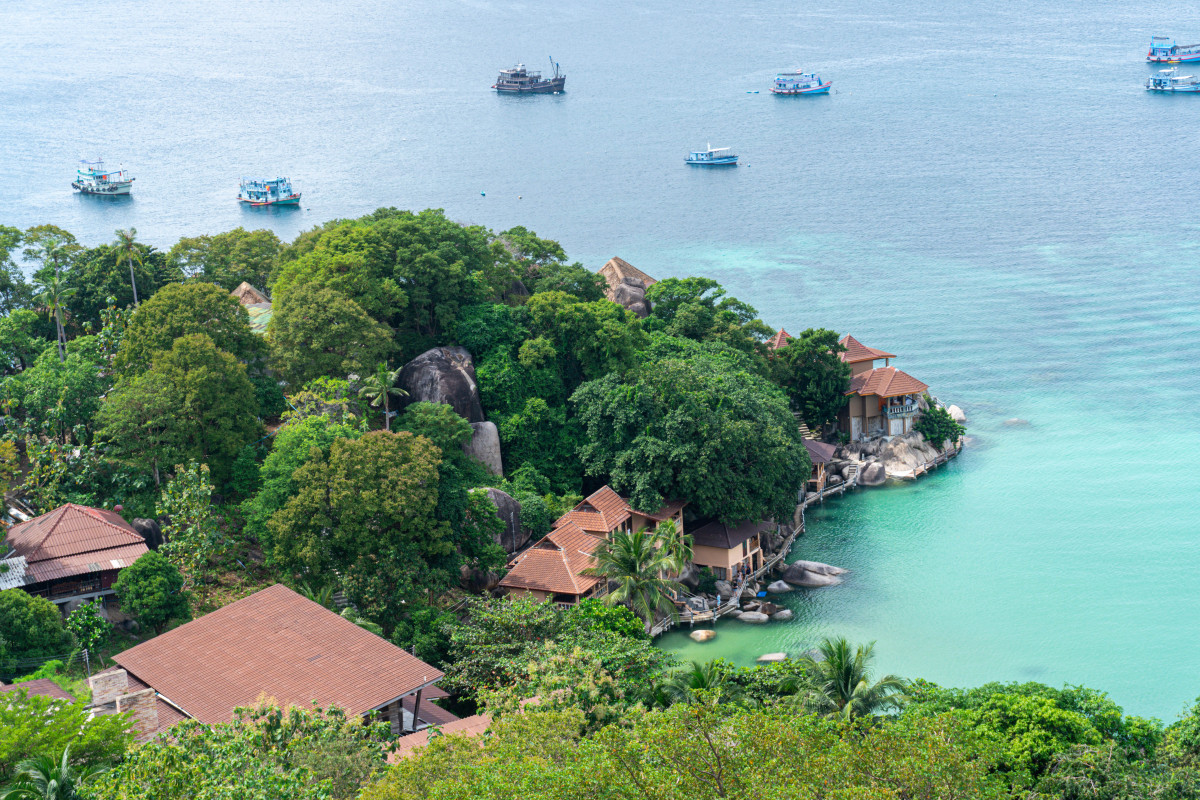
[(678, 548), (322, 597), (126, 246), (637, 562), (379, 388), (351, 613), (43, 778), (838, 684), (682, 685), (54, 291)]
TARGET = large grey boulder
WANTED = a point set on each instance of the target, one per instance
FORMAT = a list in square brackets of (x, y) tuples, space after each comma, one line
[(631, 293), (873, 474), (484, 446), (819, 568), (753, 617), (724, 588), (443, 375), (799, 576), (956, 414), (771, 658), (781, 616), (150, 530), (514, 536), (779, 587), (477, 581)]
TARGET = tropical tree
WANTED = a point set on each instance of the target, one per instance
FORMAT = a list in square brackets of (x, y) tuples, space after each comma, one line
[(46, 778), (814, 377), (683, 685), (838, 683), (151, 591), (317, 331), (126, 247), (638, 562), (53, 294), (377, 390)]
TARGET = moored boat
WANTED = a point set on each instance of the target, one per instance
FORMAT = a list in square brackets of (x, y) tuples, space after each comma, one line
[(1167, 80), (1163, 50), (800, 83), (263, 192), (92, 178), (713, 157), (519, 80)]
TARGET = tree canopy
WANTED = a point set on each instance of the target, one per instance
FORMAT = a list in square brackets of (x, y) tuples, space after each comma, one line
[(227, 259), (316, 332), (151, 591), (815, 379)]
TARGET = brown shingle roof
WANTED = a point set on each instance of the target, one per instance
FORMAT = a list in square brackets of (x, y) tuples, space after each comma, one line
[(279, 644), (554, 564), (618, 268), (600, 512), (885, 382), (718, 534), (819, 452), (856, 351), (779, 340), (74, 540), (43, 687)]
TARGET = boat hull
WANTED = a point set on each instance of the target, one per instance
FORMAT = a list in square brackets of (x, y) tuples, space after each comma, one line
[(1174, 89), (293, 200), (111, 190), (1176, 59), (822, 89), (553, 86), (719, 162)]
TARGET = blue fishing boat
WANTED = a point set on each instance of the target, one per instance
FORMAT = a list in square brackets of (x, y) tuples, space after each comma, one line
[(1163, 50), (713, 157), (1168, 81), (800, 83), (263, 192)]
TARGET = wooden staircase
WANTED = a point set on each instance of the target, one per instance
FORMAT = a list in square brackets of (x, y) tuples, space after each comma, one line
[(852, 474), (805, 433)]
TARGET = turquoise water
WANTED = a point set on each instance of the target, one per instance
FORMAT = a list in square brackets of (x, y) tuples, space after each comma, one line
[(990, 194)]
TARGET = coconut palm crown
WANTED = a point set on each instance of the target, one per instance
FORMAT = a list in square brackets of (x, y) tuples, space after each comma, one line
[(45, 778), (637, 562), (838, 684)]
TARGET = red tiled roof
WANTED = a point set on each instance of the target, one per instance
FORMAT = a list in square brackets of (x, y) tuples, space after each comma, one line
[(554, 564), (278, 644), (856, 351), (98, 561), (885, 382), (430, 712), (469, 726), (819, 452), (43, 687), (669, 509), (74, 540), (778, 340), (601, 512)]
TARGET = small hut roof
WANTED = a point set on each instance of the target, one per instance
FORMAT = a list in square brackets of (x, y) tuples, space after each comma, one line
[(618, 269), (247, 295)]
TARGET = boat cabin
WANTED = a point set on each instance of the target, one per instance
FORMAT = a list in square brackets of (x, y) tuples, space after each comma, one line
[(713, 156)]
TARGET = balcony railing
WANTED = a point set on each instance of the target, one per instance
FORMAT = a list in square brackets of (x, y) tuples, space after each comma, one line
[(906, 410)]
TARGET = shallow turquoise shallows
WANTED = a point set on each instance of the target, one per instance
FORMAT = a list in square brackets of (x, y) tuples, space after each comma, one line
[(1017, 220)]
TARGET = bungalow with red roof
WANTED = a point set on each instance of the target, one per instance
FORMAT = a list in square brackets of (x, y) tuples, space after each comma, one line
[(883, 400), (730, 551), (71, 553), (276, 645), (778, 340), (554, 567)]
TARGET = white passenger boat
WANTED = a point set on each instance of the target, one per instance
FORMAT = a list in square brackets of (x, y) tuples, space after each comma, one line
[(92, 178)]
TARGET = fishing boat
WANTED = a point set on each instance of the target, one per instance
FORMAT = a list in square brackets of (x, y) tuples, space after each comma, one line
[(800, 83), (713, 157), (519, 80), (92, 178), (1168, 81), (1163, 50), (262, 192)]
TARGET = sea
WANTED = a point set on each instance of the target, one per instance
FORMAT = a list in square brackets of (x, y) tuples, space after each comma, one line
[(988, 192)]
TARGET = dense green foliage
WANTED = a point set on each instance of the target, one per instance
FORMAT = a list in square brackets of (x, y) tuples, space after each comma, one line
[(815, 379), (227, 259), (263, 754), (32, 726), (151, 591), (316, 331), (938, 427), (30, 627)]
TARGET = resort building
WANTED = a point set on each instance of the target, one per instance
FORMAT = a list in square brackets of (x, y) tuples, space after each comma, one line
[(731, 552), (73, 553), (778, 340), (554, 567), (820, 454), (883, 400), (276, 646)]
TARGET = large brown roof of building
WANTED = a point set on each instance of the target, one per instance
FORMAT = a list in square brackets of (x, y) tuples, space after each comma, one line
[(885, 382), (554, 564), (819, 452), (277, 644), (718, 534), (467, 726), (856, 351), (617, 269), (601, 511), (43, 687), (74, 540)]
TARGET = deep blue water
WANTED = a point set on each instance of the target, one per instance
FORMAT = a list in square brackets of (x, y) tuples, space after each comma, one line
[(989, 193)]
